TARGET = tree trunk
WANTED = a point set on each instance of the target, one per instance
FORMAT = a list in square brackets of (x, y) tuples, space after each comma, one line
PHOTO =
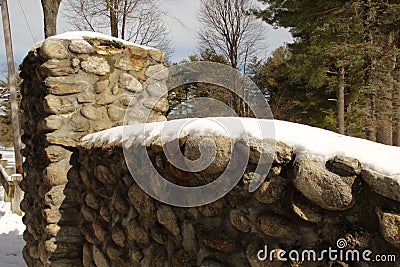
[(50, 11), (384, 133), (113, 8), (340, 102)]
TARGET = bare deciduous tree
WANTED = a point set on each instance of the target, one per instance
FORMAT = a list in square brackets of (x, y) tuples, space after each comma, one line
[(229, 29), (139, 21)]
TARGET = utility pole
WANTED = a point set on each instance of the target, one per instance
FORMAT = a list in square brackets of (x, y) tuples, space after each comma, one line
[(11, 87)]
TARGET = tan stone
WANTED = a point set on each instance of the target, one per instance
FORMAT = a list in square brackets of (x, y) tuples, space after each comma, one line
[(277, 226), (99, 232), (156, 54), (96, 65), (137, 233), (99, 258), (142, 202), (167, 217), (57, 153), (217, 240), (89, 112), (118, 236), (104, 175), (138, 51), (239, 220), (53, 48), (59, 105), (390, 227), (56, 173), (271, 190)]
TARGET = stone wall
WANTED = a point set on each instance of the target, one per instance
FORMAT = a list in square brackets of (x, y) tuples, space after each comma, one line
[(72, 87), (83, 208), (303, 204)]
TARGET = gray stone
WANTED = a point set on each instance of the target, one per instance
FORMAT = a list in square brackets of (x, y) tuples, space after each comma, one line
[(75, 62), (344, 166), (102, 121), (89, 112), (128, 100), (53, 48), (105, 98), (159, 105), (102, 85), (124, 63), (156, 88), (321, 186), (130, 83), (116, 113), (59, 105), (81, 47), (96, 65), (155, 117), (157, 72), (385, 185), (57, 87), (79, 123), (86, 97), (220, 144), (56, 67)]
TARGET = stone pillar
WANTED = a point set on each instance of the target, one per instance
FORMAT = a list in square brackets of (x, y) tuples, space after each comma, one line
[(73, 87)]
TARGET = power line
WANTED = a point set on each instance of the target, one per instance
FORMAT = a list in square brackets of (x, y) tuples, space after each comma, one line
[(27, 22)]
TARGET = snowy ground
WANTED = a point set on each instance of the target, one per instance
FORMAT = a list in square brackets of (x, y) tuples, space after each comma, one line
[(11, 226), (11, 229)]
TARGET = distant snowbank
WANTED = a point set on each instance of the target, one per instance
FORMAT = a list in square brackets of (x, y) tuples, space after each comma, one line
[(316, 142)]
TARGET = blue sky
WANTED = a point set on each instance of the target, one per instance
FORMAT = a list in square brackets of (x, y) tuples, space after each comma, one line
[(180, 12)]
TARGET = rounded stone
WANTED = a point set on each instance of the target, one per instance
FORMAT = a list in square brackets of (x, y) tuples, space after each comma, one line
[(321, 186), (81, 47), (96, 65), (53, 48)]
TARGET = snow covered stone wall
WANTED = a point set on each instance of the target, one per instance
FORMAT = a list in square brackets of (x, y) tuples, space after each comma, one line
[(309, 201), (74, 84)]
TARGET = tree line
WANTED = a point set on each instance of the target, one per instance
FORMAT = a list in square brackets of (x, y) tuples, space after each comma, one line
[(340, 72)]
